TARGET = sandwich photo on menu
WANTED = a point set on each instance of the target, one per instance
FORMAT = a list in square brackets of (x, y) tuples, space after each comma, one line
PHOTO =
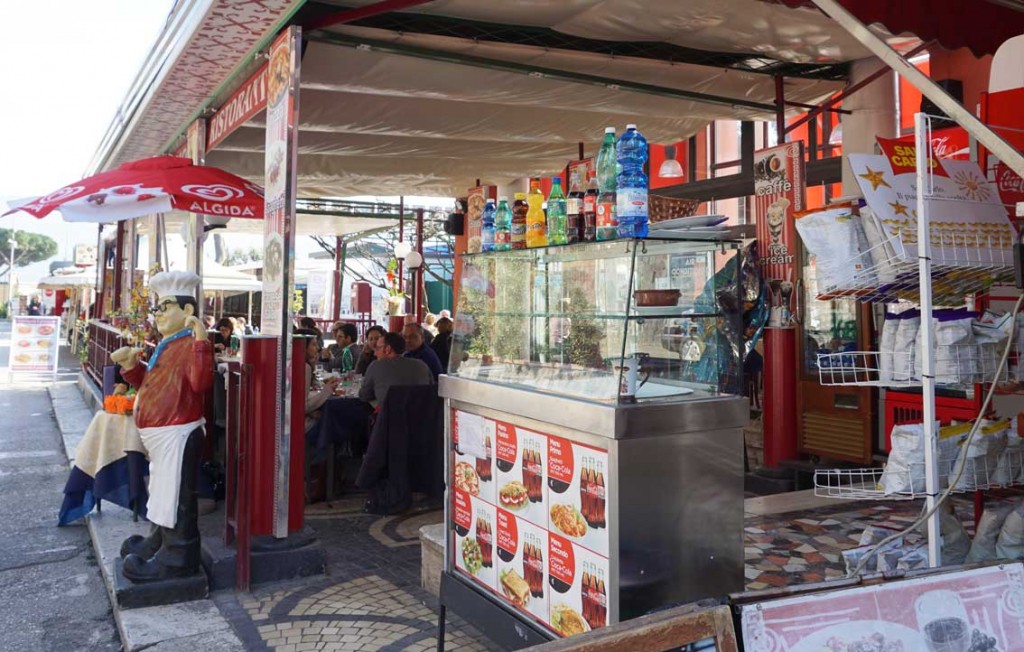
[(515, 588)]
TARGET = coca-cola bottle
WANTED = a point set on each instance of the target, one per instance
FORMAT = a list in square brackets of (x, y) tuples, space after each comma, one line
[(588, 604), (528, 563), (602, 602), (585, 491), (601, 501), (574, 211), (538, 560), (538, 475), (483, 537), (590, 209), (486, 475), (526, 468)]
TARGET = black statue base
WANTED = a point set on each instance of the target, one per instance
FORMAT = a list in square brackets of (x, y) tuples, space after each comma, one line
[(135, 595), (271, 560)]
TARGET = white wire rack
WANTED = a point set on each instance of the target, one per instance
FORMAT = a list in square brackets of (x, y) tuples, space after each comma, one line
[(962, 264), (955, 364), (1004, 468)]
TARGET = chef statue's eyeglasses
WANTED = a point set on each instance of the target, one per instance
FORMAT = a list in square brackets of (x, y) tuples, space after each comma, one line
[(163, 305)]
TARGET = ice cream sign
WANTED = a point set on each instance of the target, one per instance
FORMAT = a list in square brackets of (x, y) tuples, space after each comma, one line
[(778, 193)]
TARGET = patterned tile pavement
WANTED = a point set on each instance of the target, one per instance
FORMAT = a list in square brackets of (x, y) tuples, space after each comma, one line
[(371, 598)]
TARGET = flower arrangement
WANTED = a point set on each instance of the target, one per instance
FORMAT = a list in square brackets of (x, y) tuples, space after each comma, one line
[(122, 401), (134, 320), (396, 299)]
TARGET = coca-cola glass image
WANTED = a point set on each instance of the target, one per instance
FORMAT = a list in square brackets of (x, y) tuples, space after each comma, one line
[(942, 620)]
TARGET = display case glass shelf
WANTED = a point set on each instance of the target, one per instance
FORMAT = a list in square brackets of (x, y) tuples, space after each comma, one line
[(565, 320)]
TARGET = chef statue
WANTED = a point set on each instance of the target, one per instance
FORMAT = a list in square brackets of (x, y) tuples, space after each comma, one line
[(169, 416)]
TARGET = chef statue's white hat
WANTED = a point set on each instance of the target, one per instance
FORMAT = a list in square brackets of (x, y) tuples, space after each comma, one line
[(174, 284)]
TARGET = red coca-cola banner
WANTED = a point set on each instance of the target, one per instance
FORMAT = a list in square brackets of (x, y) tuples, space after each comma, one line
[(560, 462), (1010, 185), (506, 446), (561, 559), (508, 533), (946, 143)]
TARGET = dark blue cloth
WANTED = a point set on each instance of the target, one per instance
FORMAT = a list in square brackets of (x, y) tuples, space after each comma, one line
[(342, 420), (429, 358), (121, 482)]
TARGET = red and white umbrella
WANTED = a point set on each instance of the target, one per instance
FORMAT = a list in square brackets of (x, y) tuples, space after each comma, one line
[(152, 185)]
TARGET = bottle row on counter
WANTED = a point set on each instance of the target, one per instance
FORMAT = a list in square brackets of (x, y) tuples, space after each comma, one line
[(530, 520), (613, 204)]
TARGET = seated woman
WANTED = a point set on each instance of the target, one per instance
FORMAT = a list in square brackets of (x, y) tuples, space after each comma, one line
[(317, 393), (224, 338)]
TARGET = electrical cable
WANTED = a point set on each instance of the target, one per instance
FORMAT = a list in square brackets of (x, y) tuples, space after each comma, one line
[(961, 459)]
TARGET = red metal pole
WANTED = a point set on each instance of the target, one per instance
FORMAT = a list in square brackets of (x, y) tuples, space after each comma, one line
[(401, 237), (338, 275), (118, 266), (419, 270)]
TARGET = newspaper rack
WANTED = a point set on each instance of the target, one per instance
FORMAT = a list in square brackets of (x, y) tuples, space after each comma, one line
[(955, 364)]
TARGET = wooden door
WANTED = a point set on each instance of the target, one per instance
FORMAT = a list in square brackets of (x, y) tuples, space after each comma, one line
[(836, 423)]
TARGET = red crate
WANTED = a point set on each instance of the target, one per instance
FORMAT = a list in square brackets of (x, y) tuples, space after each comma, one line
[(906, 407)]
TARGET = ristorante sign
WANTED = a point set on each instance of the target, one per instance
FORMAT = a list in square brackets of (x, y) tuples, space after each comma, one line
[(247, 101)]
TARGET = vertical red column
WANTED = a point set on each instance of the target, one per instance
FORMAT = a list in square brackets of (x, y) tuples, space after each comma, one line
[(780, 190), (297, 470), (261, 352)]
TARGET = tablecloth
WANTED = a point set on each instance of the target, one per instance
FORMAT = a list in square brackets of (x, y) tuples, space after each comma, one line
[(110, 464)]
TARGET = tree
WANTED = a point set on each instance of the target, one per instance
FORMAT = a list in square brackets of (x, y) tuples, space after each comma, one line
[(373, 248), (32, 248)]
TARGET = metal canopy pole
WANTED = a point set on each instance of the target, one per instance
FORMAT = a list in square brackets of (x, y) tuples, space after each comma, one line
[(975, 127), (924, 252)]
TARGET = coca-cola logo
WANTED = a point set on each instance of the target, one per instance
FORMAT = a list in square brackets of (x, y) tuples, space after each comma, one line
[(1010, 184)]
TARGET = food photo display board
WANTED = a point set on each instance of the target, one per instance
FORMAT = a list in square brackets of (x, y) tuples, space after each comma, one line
[(34, 345), (543, 501), (980, 610)]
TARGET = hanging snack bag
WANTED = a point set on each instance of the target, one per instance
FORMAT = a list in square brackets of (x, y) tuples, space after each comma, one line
[(906, 342), (981, 457), (983, 547), (880, 246), (956, 354), (1010, 544), (836, 238), (887, 346)]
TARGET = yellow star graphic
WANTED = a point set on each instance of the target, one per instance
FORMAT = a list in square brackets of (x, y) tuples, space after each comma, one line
[(898, 208), (875, 178)]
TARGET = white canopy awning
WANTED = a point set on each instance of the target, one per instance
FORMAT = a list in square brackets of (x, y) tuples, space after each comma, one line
[(218, 278)]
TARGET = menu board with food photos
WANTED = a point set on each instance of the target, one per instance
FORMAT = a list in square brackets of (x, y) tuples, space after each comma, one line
[(34, 344), (547, 522)]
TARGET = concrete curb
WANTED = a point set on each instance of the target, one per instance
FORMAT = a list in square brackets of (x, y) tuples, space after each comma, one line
[(187, 626)]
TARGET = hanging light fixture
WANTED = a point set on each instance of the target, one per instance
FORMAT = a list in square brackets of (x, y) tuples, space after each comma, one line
[(402, 249), (670, 167)]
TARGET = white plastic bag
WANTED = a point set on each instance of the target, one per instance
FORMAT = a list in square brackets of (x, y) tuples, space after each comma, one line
[(1010, 544), (887, 346), (904, 471), (835, 236), (905, 345), (981, 457), (983, 547), (883, 255), (955, 541), (956, 354)]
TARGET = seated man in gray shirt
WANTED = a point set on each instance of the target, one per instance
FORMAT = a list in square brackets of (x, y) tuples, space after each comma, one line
[(391, 369)]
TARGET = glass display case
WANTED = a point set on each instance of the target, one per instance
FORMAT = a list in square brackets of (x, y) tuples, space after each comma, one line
[(571, 401), (617, 321)]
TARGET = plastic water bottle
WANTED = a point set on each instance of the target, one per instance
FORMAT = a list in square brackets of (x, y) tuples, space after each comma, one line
[(631, 184), (503, 226), (557, 214), (607, 226), (487, 228)]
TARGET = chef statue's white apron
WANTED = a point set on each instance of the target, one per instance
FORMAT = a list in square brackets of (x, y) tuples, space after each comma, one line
[(166, 446)]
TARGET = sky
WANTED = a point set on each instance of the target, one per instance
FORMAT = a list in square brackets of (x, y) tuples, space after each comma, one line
[(67, 65)]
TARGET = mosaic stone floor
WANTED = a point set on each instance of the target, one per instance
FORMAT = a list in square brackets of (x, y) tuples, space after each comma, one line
[(371, 599)]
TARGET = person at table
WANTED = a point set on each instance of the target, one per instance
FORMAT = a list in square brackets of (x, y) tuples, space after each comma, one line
[(442, 344), (225, 338), (392, 369), (416, 348), (369, 354), (317, 392), (342, 355)]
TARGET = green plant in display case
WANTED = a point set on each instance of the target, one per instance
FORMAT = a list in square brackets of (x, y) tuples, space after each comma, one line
[(582, 345)]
